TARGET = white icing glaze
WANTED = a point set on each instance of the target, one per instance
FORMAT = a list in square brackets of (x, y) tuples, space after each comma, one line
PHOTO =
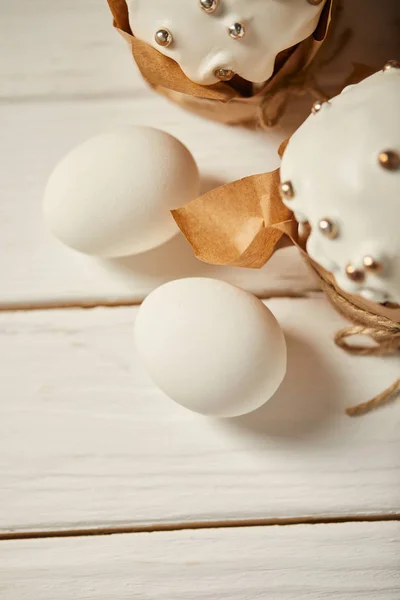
[(201, 42), (332, 162)]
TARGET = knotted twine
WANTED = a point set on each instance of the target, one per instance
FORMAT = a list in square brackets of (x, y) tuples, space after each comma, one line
[(384, 332)]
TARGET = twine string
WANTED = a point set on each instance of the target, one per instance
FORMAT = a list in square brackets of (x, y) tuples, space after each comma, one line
[(386, 341), (380, 400), (384, 332)]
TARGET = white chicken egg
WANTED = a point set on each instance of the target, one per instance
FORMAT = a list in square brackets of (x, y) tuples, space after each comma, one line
[(112, 195), (212, 347)]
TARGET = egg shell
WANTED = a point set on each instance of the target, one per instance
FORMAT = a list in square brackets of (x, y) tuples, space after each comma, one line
[(201, 43), (333, 164), (112, 195), (210, 346)]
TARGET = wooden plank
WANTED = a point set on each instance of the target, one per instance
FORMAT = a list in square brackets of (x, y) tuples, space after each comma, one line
[(36, 270), (350, 561), (86, 440), (61, 49), (69, 48)]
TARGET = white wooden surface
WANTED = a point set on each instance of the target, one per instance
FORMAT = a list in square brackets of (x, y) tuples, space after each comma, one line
[(357, 561), (36, 270), (52, 50), (54, 96), (88, 444)]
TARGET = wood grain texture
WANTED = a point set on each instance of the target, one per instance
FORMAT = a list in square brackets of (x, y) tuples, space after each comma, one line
[(354, 561), (86, 440), (62, 49), (36, 270), (66, 75)]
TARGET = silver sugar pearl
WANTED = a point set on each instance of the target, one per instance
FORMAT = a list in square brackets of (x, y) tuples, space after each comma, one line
[(237, 31), (287, 190), (224, 74), (355, 274), (318, 106), (372, 265), (163, 37), (209, 6), (390, 160), (392, 64), (328, 228)]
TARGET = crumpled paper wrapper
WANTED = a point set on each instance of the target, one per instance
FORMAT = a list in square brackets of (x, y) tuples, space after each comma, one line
[(235, 102), (244, 223), (240, 224)]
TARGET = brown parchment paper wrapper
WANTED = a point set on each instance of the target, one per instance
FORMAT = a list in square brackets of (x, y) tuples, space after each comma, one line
[(235, 102), (239, 224), (243, 223)]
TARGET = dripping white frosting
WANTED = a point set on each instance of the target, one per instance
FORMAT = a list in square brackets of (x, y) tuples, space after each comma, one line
[(202, 44), (333, 164)]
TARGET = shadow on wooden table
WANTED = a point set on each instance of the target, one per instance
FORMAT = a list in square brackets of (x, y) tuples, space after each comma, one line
[(306, 401), (172, 260)]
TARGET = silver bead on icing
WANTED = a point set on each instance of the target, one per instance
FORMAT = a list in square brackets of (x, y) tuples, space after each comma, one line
[(163, 37), (224, 74), (392, 64), (287, 190), (354, 274), (209, 6), (317, 106), (372, 265), (328, 228), (390, 160), (237, 31)]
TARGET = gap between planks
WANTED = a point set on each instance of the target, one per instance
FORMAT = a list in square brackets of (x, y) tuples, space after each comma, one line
[(55, 98), (191, 526), (92, 304)]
